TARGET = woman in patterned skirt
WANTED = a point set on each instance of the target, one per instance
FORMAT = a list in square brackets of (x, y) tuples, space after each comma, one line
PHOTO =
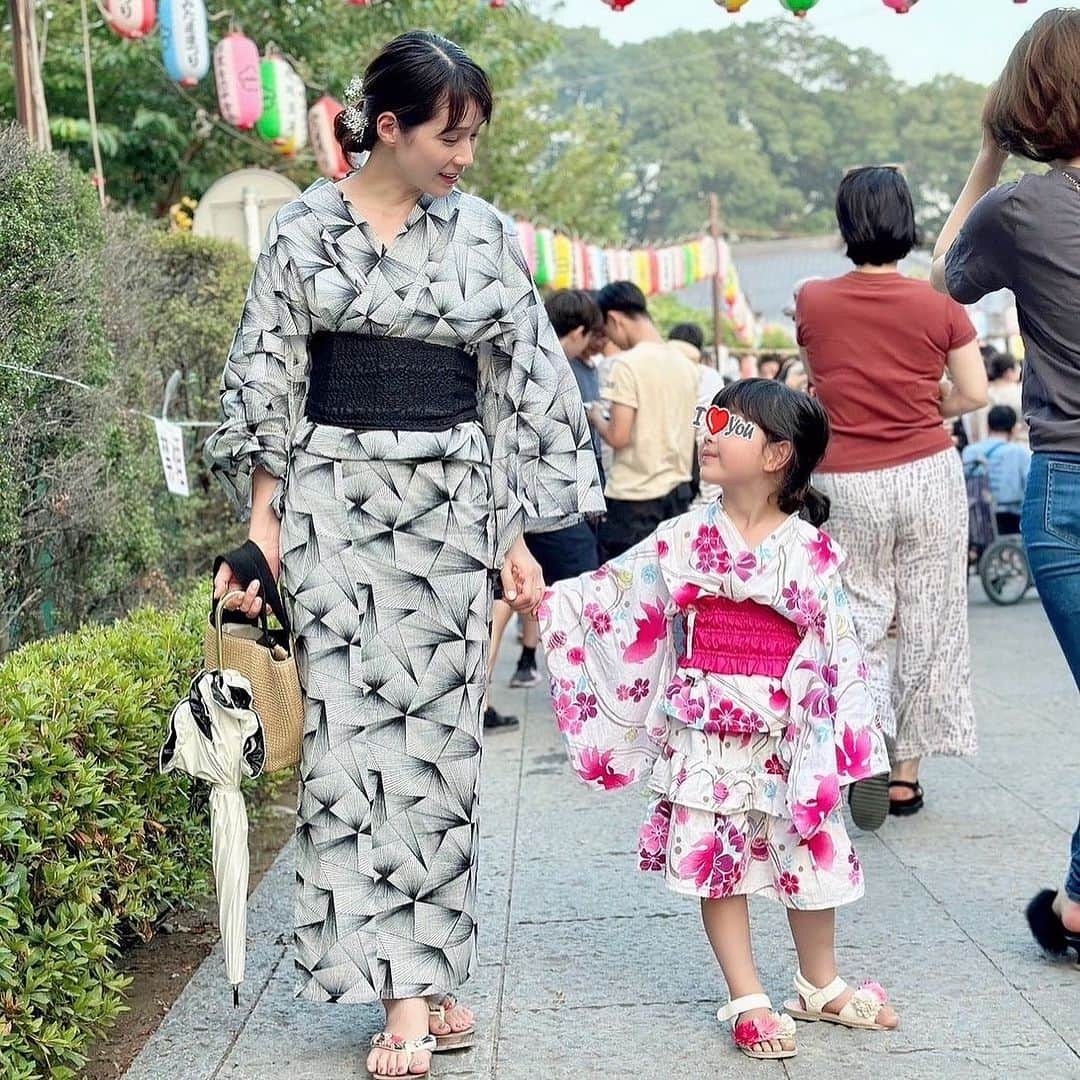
[(397, 412), (877, 346)]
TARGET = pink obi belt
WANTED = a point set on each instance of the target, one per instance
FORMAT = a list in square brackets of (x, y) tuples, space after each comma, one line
[(738, 637)]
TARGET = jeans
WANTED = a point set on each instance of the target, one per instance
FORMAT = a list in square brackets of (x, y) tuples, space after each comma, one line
[(1051, 527)]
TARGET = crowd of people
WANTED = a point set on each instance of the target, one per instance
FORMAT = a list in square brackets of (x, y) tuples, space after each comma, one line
[(703, 633)]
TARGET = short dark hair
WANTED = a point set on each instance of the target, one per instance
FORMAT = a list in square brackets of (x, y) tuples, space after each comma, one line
[(770, 358), (1001, 418), (570, 308), (999, 364), (689, 332), (876, 215), (624, 297), (1033, 109), (412, 77)]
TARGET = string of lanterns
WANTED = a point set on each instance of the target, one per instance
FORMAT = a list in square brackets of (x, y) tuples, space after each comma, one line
[(798, 8)]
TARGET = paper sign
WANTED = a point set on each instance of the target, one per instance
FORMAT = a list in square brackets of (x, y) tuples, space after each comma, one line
[(173, 459)]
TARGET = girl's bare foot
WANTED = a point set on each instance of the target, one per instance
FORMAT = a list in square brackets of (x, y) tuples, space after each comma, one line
[(407, 1018), (886, 1017), (772, 1046)]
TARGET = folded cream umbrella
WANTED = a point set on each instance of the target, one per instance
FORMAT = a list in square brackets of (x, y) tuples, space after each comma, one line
[(215, 735)]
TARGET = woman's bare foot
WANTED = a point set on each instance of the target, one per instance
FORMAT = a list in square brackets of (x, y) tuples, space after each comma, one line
[(772, 1046), (458, 1018), (407, 1018)]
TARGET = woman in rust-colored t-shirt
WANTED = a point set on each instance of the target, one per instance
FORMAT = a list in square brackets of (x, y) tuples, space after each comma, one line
[(878, 345)]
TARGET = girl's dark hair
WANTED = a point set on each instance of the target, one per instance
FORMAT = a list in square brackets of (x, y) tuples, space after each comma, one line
[(876, 215), (786, 415), (412, 77)]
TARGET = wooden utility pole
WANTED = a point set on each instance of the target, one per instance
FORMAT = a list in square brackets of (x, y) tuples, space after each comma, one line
[(29, 89), (717, 284)]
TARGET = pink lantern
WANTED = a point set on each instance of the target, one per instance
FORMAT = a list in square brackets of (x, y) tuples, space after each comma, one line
[(239, 83), (131, 18), (496, 4), (526, 232), (328, 153), (901, 7)]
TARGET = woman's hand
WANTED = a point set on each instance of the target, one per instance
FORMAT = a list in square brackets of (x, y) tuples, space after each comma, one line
[(991, 153), (522, 579), (268, 539)]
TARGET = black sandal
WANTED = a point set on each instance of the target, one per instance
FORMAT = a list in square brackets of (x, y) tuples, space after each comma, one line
[(906, 807), (497, 721), (1047, 929), (869, 802)]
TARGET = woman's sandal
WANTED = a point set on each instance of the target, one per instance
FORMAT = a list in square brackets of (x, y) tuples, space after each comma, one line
[(906, 807), (1048, 930), (438, 1007), (860, 1011), (869, 802), (764, 1029), (397, 1045)]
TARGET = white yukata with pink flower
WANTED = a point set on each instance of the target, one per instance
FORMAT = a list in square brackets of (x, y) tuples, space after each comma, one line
[(745, 769)]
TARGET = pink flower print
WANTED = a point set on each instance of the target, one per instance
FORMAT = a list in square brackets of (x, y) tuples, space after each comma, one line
[(566, 684), (640, 690), (685, 595), (728, 719), (681, 779), (723, 563), (853, 756), (599, 574), (791, 732), (790, 596), (701, 863), (788, 883), (601, 623), (662, 548), (576, 656), (622, 692), (819, 699), (653, 838), (568, 714), (596, 767), (652, 862), (720, 792), (775, 767), (745, 565), (863, 671), (688, 708), (556, 639), (778, 699), (855, 871), (822, 556), (543, 611), (822, 851), (759, 849), (708, 550), (592, 609), (808, 817), (729, 865), (587, 704), (652, 628)]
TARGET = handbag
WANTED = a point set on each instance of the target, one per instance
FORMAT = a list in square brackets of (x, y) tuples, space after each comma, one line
[(264, 656)]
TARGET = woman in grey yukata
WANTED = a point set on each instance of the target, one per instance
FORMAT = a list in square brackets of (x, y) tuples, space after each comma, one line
[(396, 412)]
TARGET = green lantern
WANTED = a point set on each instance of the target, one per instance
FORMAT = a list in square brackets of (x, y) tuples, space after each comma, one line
[(545, 256), (798, 8), (276, 74)]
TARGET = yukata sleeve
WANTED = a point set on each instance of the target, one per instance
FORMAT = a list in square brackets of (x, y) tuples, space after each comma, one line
[(608, 645), (544, 472), (268, 353), (835, 728)]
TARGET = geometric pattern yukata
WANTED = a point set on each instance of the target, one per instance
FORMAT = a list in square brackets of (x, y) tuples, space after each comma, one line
[(745, 768), (388, 543)]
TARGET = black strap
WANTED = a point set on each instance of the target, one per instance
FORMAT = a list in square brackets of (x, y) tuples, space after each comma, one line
[(249, 564)]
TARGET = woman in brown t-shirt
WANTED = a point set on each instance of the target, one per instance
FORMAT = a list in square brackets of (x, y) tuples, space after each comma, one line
[(878, 345)]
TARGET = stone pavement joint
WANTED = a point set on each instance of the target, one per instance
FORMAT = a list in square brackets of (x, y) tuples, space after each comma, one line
[(589, 968)]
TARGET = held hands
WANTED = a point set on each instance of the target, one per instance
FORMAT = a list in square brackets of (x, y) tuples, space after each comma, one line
[(522, 579), (226, 581)]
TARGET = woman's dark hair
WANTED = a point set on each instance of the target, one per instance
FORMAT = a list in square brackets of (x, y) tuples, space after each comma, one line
[(786, 415), (624, 297), (999, 364), (1033, 109), (876, 215), (689, 332), (412, 77), (570, 308), (786, 367)]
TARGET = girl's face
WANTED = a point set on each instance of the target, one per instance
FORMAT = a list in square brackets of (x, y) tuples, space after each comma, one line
[(431, 157), (735, 452)]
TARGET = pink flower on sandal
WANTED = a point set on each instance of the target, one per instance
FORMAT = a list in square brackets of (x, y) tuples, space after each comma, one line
[(760, 1030), (875, 989)]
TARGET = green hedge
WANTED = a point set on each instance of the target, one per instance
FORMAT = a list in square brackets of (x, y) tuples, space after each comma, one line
[(95, 845)]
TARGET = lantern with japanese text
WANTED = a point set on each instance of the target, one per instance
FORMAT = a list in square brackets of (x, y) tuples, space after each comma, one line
[(131, 18), (185, 41), (563, 276), (328, 153), (239, 82), (798, 8), (294, 115)]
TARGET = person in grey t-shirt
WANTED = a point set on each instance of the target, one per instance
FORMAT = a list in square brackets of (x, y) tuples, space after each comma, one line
[(1025, 236)]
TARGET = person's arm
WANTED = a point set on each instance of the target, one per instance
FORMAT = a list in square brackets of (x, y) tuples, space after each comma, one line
[(617, 430), (984, 175), (967, 374)]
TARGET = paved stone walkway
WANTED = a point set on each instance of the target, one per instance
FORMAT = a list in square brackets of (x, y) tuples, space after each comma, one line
[(589, 968)]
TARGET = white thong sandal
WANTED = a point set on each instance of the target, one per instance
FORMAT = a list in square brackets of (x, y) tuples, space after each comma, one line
[(438, 1007), (397, 1045), (764, 1029), (860, 1011)]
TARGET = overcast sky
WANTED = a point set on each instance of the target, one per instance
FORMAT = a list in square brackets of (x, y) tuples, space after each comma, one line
[(964, 37)]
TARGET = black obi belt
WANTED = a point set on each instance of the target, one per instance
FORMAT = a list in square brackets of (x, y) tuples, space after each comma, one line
[(389, 383)]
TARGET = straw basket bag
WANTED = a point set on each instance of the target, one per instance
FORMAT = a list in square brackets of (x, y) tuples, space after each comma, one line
[(264, 656)]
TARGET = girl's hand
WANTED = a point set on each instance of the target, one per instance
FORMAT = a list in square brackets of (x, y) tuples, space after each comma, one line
[(522, 579), (250, 604)]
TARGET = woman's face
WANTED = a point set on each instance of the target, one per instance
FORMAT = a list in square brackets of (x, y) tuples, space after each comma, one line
[(430, 157)]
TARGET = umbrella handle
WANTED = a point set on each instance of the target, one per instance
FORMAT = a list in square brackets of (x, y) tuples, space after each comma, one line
[(219, 614)]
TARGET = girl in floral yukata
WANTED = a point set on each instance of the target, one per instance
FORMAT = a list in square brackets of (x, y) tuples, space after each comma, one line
[(717, 661)]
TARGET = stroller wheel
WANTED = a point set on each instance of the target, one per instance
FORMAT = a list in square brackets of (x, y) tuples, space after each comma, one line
[(1004, 571)]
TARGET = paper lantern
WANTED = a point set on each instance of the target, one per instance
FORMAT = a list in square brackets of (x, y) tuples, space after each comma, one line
[(901, 7), (732, 7), (545, 256), (618, 5), (328, 153), (667, 271), (798, 8), (653, 257), (527, 237), (276, 76), (131, 18), (185, 41), (293, 115), (597, 267), (581, 265), (563, 277), (239, 83)]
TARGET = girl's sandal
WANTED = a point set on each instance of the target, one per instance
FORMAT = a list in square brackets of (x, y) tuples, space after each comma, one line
[(860, 1011), (764, 1029), (397, 1045), (438, 1007)]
